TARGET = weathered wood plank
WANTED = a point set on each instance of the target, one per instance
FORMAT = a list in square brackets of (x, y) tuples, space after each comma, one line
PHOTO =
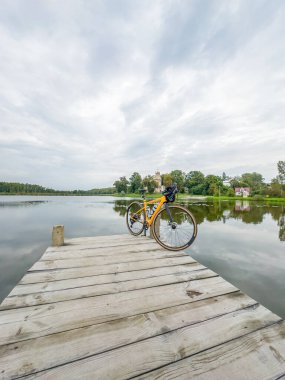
[(257, 356), (22, 289), (57, 349), (107, 238), (134, 249), (120, 307), (97, 290), (100, 244), (116, 237), (140, 357), (103, 260), (30, 322), (63, 274)]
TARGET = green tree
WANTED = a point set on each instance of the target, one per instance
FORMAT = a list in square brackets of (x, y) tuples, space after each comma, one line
[(121, 185), (135, 182), (281, 174), (255, 181), (167, 179), (150, 184), (213, 184), (238, 182), (274, 189), (230, 192), (179, 178), (195, 182)]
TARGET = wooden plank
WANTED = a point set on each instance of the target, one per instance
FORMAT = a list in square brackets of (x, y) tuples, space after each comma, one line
[(256, 356), (102, 260), (114, 307), (22, 289), (107, 251), (80, 240), (30, 322), (63, 274), (85, 245), (107, 238), (100, 244), (97, 290), (140, 357), (59, 349)]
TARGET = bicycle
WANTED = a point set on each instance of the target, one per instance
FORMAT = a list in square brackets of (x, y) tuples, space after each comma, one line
[(172, 226)]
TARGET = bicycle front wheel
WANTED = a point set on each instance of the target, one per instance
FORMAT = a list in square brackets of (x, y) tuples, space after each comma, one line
[(135, 218), (175, 228)]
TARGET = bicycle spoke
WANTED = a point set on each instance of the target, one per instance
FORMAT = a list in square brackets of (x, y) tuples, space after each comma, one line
[(135, 218), (175, 232)]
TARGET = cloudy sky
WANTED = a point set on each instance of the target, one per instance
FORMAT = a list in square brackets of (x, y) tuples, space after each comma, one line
[(94, 90)]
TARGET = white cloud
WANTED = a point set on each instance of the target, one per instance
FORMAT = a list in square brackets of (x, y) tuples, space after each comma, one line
[(90, 91)]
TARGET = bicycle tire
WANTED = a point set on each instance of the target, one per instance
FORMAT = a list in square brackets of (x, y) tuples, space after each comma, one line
[(136, 224), (166, 232)]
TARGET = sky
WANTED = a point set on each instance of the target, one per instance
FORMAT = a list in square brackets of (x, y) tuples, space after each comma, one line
[(94, 90)]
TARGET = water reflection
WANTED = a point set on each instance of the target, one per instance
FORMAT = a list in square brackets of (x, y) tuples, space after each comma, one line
[(242, 206), (120, 206), (281, 224), (242, 241), (21, 204), (248, 213)]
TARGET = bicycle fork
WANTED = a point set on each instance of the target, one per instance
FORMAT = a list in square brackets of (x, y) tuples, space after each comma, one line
[(168, 212), (145, 227)]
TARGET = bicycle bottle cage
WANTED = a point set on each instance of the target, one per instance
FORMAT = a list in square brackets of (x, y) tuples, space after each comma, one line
[(170, 193)]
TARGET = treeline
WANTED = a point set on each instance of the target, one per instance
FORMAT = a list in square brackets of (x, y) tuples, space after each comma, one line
[(193, 182), (26, 188), (23, 188), (103, 191), (197, 183)]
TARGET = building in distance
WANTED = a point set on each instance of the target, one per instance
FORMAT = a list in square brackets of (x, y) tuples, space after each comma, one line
[(242, 191), (158, 179)]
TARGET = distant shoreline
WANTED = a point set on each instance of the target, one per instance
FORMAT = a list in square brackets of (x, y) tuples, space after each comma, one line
[(55, 194), (153, 196)]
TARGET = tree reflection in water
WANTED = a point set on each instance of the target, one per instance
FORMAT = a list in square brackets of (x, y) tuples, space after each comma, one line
[(247, 212), (121, 207), (21, 204), (281, 224)]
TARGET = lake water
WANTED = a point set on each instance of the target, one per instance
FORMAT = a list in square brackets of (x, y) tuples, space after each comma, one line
[(242, 241)]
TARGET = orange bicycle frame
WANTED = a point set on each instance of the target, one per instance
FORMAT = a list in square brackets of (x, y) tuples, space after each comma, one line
[(160, 202)]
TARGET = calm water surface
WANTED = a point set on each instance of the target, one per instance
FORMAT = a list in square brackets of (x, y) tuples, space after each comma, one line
[(244, 242)]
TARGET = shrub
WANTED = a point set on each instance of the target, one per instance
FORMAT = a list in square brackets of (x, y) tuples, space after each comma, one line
[(258, 197), (230, 192)]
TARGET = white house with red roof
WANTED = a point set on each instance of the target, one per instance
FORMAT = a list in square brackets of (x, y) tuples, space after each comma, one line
[(242, 191)]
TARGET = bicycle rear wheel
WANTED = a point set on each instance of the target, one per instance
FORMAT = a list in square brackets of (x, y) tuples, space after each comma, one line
[(135, 218), (175, 230)]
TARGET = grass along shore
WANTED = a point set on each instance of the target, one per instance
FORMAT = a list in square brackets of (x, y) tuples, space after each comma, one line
[(181, 196), (253, 199)]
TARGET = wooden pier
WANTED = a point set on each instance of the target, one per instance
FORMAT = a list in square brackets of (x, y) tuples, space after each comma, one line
[(120, 307)]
